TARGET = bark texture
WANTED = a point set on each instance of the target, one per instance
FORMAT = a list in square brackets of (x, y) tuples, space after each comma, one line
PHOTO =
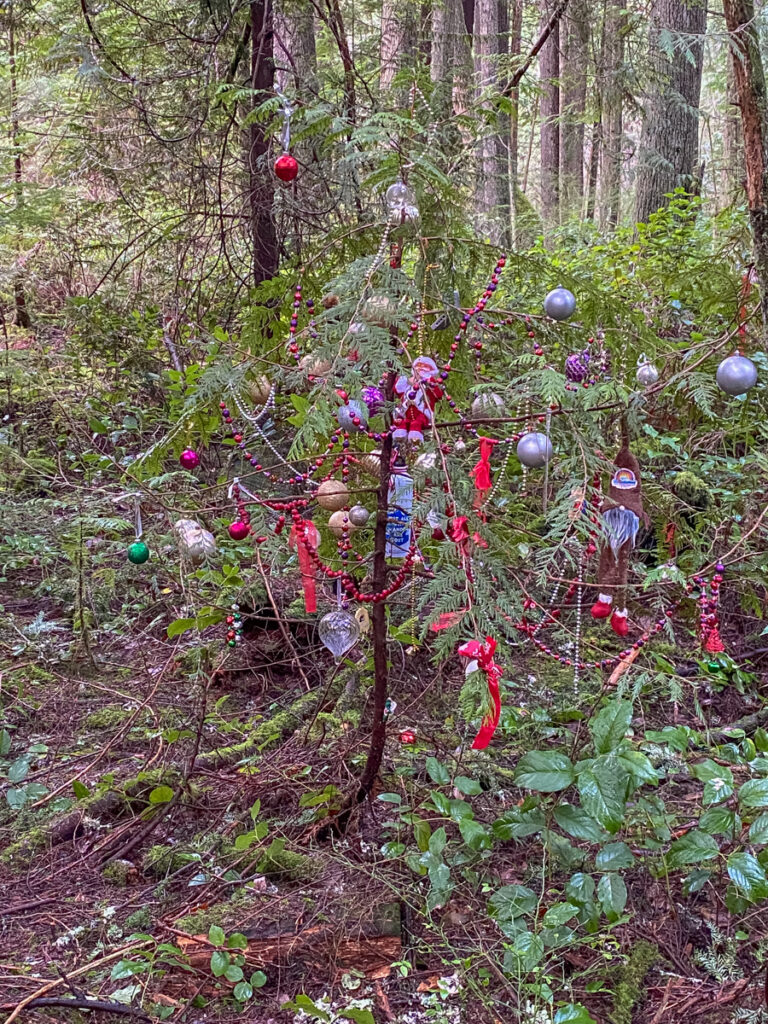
[(260, 180), (669, 143), (491, 192), (295, 51), (611, 113), (549, 74), (574, 30), (749, 73), (399, 36)]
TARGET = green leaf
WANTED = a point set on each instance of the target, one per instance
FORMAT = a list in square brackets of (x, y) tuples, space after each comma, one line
[(577, 823), (390, 798), (746, 872), (19, 770), (614, 857), (237, 941), (421, 833), (438, 772), (559, 914), (302, 1002), (161, 795), (525, 953), (758, 830), (517, 824), (638, 767), (179, 626), (357, 1015), (718, 781), (719, 821), (581, 888), (573, 1013), (258, 979), (601, 796), (233, 973), (219, 962), (469, 787), (474, 834), (242, 991), (546, 771), (80, 790), (610, 725), (760, 737), (216, 935), (5, 742), (512, 901), (754, 793), (612, 895), (245, 841), (16, 797), (691, 848)]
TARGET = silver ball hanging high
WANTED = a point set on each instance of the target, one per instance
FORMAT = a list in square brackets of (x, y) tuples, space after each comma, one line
[(736, 375), (534, 450), (647, 373), (359, 515), (560, 304)]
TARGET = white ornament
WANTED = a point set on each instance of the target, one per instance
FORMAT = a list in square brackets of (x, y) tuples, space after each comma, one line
[(647, 373)]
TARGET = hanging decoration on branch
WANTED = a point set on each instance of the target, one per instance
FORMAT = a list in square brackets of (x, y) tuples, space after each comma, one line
[(286, 166), (138, 552), (195, 543), (339, 632), (189, 459), (534, 450), (418, 396), (646, 374), (736, 375), (560, 304), (480, 657)]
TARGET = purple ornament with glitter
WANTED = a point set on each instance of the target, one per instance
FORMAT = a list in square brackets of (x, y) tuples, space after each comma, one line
[(374, 399), (577, 366)]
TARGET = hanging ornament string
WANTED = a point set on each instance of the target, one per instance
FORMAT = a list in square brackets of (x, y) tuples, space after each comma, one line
[(709, 594)]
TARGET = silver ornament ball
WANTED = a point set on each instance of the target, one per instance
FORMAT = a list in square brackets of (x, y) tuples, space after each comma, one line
[(359, 515), (560, 304), (647, 374), (534, 450), (346, 414), (736, 375)]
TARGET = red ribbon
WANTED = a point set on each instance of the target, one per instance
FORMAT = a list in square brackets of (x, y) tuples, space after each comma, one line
[(483, 653), (458, 530), (305, 538), (482, 470)]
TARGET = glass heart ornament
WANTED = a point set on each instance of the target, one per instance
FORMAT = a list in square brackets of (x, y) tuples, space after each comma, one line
[(339, 632)]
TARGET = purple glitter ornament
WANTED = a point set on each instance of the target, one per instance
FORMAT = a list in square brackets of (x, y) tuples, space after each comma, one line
[(577, 366), (374, 399)]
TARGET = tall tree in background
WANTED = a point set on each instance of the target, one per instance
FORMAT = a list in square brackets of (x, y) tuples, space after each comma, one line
[(399, 36), (749, 73), (549, 74), (669, 142), (491, 193), (611, 133), (574, 33), (260, 182), (19, 295), (295, 50)]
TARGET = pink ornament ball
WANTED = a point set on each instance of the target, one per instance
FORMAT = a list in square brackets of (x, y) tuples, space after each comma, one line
[(239, 530), (189, 459), (286, 167)]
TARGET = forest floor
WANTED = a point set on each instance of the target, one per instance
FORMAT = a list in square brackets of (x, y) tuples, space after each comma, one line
[(143, 869)]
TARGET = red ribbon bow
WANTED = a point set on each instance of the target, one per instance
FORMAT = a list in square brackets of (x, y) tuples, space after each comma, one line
[(483, 653), (482, 470), (305, 538)]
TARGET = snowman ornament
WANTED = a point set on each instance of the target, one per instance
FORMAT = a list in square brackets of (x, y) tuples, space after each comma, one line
[(418, 396)]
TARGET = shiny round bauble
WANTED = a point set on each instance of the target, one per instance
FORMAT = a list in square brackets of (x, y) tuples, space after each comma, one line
[(407, 736), (189, 459), (379, 310), (352, 416), (460, 445), (398, 195), (314, 366), (339, 523), (286, 167), (258, 389), (332, 495), (487, 404), (560, 304), (577, 366), (373, 398), (736, 375), (138, 553), (534, 450), (647, 373), (339, 632), (359, 515), (239, 530), (195, 543), (371, 463), (404, 221)]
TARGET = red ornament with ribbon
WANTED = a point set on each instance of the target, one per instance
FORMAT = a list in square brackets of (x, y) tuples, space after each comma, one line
[(480, 657)]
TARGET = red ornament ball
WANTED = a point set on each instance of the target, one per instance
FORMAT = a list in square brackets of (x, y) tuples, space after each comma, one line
[(239, 530), (286, 167), (189, 459), (407, 736)]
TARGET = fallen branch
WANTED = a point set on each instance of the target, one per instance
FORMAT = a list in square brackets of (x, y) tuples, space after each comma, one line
[(90, 1004)]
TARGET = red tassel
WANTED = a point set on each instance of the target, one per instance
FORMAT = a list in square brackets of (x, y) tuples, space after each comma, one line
[(306, 539), (484, 655), (714, 644), (482, 470)]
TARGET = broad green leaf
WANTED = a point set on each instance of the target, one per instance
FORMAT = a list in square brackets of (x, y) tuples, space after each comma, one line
[(357, 1015), (696, 881), (577, 823), (258, 979), (5, 742), (758, 830), (573, 1013), (709, 769), (719, 821), (179, 626), (16, 797), (421, 833), (517, 824), (474, 834), (748, 874), (469, 787), (244, 841), (161, 795), (125, 995), (581, 888), (638, 767), (302, 1002), (237, 941), (512, 901), (80, 790), (614, 857), (219, 962), (760, 738), (216, 935), (559, 914), (610, 725), (527, 950), (546, 771), (612, 895), (601, 795), (437, 842), (438, 772), (19, 770), (233, 973), (242, 992), (754, 793), (692, 848), (390, 798)]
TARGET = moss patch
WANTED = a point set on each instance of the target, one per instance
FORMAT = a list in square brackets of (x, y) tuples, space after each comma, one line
[(628, 991)]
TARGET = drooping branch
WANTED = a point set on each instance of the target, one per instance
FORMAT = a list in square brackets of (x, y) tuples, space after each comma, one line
[(544, 35)]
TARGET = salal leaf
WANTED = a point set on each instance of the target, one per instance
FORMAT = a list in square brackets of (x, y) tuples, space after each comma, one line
[(610, 725), (546, 771)]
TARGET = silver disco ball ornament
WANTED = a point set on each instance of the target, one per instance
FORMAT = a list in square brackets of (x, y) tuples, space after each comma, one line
[(647, 373), (534, 450), (560, 304), (339, 632), (736, 375), (359, 515), (347, 414)]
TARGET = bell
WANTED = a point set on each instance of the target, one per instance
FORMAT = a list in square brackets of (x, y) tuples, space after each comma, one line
[(560, 304), (339, 632), (736, 375), (195, 543), (534, 450), (487, 404), (359, 515), (332, 495), (647, 373)]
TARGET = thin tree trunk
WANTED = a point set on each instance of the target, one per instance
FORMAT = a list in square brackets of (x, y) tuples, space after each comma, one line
[(669, 142), (549, 73), (612, 110), (491, 190), (515, 47), (733, 170), (574, 28), (295, 50), (19, 295), (399, 35), (753, 102)]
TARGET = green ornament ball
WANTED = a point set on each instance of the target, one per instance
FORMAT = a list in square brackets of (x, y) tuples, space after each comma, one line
[(138, 553)]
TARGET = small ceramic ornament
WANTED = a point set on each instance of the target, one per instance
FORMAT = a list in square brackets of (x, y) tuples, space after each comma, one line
[(534, 450), (487, 404), (359, 515), (195, 543), (313, 366), (332, 495), (736, 375), (352, 416), (138, 553), (339, 522), (189, 459), (339, 632), (647, 373), (560, 304)]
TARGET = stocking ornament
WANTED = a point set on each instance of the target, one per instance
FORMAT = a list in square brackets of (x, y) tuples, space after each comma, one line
[(622, 512)]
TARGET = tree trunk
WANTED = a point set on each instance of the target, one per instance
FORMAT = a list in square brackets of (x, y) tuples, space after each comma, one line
[(491, 190), (295, 51), (612, 106), (753, 103), (733, 169), (549, 74), (399, 35), (19, 295), (574, 29), (260, 181), (669, 142), (515, 46)]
